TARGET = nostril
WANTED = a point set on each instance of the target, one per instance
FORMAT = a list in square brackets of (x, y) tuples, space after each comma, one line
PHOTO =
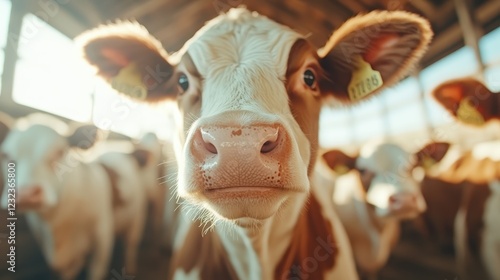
[(271, 143), (208, 140), (210, 147), (268, 146)]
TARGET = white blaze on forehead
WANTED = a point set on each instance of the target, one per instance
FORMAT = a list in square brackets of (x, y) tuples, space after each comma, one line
[(243, 58), (385, 157), (391, 165)]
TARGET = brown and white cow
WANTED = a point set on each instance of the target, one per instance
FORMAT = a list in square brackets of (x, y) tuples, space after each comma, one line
[(373, 192), (250, 93), (463, 198), (469, 100)]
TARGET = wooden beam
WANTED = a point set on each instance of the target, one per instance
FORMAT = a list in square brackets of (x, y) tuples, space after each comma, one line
[(471, 30), (454, 34)]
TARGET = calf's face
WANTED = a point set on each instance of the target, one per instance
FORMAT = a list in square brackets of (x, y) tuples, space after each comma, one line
[(42, 163), (385, 172), (250, 91)]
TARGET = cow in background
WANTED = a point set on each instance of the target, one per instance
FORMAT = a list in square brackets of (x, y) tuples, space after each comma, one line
[(461, 190), (151, 157), (469, 101), (250, 93), (373, 192), (66, 202)]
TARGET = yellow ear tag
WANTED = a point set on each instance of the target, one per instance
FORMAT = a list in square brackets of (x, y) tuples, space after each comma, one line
[(468, 114), (364, 80), (341, 169), (428, 162), (129, 82)]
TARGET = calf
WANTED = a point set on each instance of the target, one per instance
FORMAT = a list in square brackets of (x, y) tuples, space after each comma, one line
[(373, 192), (150, 154), (462, 197), (66, 202), (129, 200), (469, 101), (250, 93)]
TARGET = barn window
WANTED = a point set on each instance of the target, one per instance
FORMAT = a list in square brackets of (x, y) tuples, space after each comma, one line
[(49, 76), (5, 7), (117, 113)]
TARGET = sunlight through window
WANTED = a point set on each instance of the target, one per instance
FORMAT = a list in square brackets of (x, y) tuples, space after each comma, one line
[(120, 114), (50, 76), (5, 7)]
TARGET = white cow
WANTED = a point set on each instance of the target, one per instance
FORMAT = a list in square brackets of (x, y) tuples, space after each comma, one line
[(67, 203), (250, 93), (373, 192)]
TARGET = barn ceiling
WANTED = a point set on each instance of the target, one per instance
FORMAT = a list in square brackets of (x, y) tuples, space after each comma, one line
[(175, 21)]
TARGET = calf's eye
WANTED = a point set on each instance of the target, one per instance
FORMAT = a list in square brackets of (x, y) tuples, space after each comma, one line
[(183, 82), (309, 78)]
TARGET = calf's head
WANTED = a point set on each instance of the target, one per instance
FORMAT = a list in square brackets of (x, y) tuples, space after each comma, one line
[(385, 172), (469, 101), (42, 163), (250, 92)]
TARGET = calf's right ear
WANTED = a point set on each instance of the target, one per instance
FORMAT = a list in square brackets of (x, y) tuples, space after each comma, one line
[(130, 59), (339, 162), (432, 153)]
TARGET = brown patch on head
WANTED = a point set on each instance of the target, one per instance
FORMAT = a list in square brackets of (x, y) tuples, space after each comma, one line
[(305, 102), (205, 253), (113, 177), (453, 93), (312, 251)]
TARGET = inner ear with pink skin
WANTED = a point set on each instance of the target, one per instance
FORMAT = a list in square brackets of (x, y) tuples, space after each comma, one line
[(452, 94), (435, 151), (339, 162), (124, 52), (390, 42)]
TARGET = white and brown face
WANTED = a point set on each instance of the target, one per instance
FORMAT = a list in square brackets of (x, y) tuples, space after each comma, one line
[(250, 93), (385, 179), (42, 164)]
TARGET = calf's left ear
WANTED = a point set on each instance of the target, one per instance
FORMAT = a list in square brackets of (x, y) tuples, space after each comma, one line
[(372, 51), (339, 162)]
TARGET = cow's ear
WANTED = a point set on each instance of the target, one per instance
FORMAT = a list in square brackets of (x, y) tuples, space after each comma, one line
[(339, 162), (372, 51), (431, 154), (130, 59), (84, 137), (467, 99)]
